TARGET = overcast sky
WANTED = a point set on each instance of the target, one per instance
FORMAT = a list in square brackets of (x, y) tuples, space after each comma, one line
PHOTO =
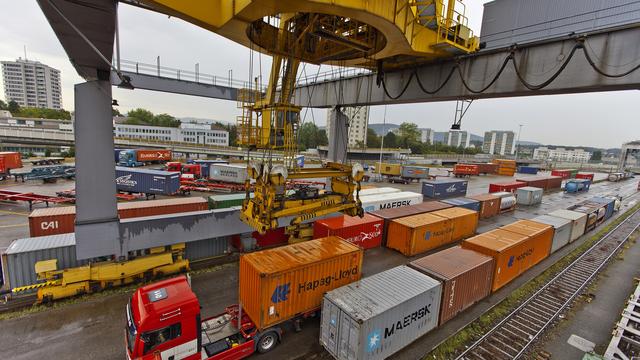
[(598, 119)]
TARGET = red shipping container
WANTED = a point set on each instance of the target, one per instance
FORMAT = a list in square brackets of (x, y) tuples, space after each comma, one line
[(365, 232), (465, 169), (535, 181), (506, 186), (12, 160), (554, 182), (153, 155), (61, 220), (275, 237), (564, 174), (487, 168), (588, 176), (3, 169)]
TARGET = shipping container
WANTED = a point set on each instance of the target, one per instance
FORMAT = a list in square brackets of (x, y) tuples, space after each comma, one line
[(601, 207), (489, 205), (228, 173), (464, 202), (147, 181), (562, 230), (465, 221), (208, 248), (529, 195), (415, 172), (609, 202), (578, 222), (61, 220), (390, 214), (527, 170), (487, 168), (227, 200), (513, 253), (444, 188), (506, 186), (540, 233), (419, 233), (564, 173), (153, 155), (12, 159), (588, 176), (466, 278), (253, 241), (592, 213), (282, 283), (460, 170), (535, 181), (391, 200), (577, 185), (365, 232), (554, 182), (507, 201), (379, 315), (508, 22), (378, 191), (389, 169)]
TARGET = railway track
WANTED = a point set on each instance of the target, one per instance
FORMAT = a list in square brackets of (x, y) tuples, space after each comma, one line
[(512, 337)]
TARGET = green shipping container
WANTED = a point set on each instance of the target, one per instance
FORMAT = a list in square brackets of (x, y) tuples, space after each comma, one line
[(226, 201)]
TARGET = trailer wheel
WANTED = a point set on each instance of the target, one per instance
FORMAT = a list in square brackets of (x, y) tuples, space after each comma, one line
[(267, 342)]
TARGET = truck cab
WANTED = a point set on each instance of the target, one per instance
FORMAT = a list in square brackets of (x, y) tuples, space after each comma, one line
[(129, 158), (174, 166), (163, 322)]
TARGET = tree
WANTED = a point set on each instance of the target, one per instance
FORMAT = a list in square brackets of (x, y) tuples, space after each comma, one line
[(115, 112), (390, 140), (165, 120), (373, 140), (13, 107), (323, 140), (139, 116), (408, 136), (596, 156), (3, 105), (40, 113), (47, 152)]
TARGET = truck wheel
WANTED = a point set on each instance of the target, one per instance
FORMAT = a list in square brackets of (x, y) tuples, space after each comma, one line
[(267, 342)]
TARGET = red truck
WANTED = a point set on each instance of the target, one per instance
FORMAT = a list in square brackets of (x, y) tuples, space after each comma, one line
[(192, 171), (163, 322)]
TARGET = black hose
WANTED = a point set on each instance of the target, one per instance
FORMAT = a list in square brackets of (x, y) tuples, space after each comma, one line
[(437, 90), (601, 72), (553, 77)]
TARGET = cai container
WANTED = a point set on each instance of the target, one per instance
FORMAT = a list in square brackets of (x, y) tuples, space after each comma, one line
[(489, 205), (419, 233), (376, 317), (147, 181), (444, 188), (390, 214), (529, 195), (466, 203), (578, 221), (230, 173), (61, 220), (365, 232), (466, 169), (372, 203), (513, 253), (487, 168), (562, 230), (378, 191), (506, 186), (466, 278), (282, 283), (12, 159), (465, 221)]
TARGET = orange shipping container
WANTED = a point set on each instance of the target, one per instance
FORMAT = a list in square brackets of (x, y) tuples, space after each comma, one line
[(153, 155), (514, 253), (12, 160), (489, 205), (540, 233), (61, 220), (419, 233), (464, 221), (280, 284)]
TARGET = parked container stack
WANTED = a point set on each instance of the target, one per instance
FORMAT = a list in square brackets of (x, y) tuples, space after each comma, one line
[(562, 230), (360, 320), (365, 232), (389, 201), (464, 202), (527, 170), (395, 213), (489, 205), (466, 278), (578, 221), (443, 188), (529, 195), (279, 284), (510, 186)]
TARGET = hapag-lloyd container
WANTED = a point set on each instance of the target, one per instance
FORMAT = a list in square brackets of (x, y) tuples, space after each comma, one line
[(529, 195), (489, 205), (147, 181), (444, 188), (61, 220), (562, 230), (228, 173), (379, 315), (378, 191), (466, 203), (578, 221), (466, 278), (279, 284), (419, 233), (390, 214), (540, 233), (365, 232), (465, 221), (372, 203), (514, 253)]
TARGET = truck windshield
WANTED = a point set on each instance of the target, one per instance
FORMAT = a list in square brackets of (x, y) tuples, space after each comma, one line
[(123, 156), (131, 329)]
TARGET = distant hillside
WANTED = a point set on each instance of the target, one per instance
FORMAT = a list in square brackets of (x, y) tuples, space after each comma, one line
[(528, 143)]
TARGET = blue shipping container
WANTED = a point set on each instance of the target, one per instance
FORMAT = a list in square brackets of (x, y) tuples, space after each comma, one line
[(610, 202), (527, 170), (444, 188), (464, 202), (147, 181)]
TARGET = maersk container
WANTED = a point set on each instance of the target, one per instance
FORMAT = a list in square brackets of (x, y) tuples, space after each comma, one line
[(444, 188), (464, 203), (379, 315), (373, 203), (508, 22), (578, 220), (395, 213), (562, 230), (228, 173), (147, 181), (283, 283), (378, 191), (529, 195), (609, 202), (527, 170)]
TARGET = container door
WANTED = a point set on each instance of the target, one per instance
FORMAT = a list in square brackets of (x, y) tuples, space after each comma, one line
[(347, 337), (329, 326)]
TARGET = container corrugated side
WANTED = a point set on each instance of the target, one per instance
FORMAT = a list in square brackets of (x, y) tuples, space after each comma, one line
[(562, 230), (419, 233), (489, 205), (360, 320), (529, 195), (466, 203), (279, 284), (389, 201), (147, 181), (466, 278), (444, 188), (465, 221), (541, 234), (12, 159), (228, 173), (378, 191), (365, 232), (579, 221), (208, 248), (395, 213)]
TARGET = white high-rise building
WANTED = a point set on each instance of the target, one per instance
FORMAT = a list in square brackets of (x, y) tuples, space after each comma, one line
[(32, 84), (358, 122), (457, 138), (426, 135), (499, 142)]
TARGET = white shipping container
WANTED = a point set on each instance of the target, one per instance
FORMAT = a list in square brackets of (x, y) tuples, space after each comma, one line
[(507, 199), (379, 315), (578, 219), (378, 191), (228, 173), (372, 203), (562, 230), (529, 195)]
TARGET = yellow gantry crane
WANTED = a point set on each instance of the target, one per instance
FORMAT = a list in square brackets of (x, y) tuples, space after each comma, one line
[(380, 34)]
